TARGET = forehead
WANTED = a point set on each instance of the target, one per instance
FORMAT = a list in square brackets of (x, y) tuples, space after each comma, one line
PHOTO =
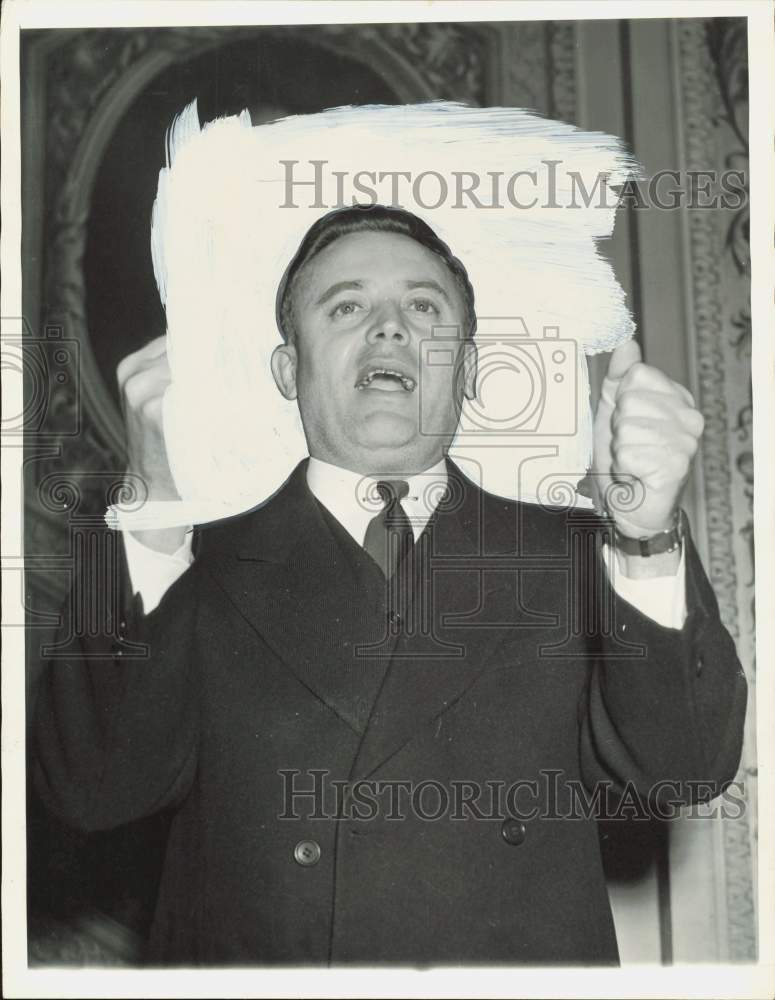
[(377, 258)]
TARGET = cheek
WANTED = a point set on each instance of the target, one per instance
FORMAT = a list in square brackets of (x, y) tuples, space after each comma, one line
[(440, 387), (320, 376)]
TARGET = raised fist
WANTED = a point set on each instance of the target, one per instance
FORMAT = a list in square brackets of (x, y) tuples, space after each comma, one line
[(647, 431), (142, 379)]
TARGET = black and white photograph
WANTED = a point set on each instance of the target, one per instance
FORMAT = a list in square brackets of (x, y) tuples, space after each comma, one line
[(382, 385)]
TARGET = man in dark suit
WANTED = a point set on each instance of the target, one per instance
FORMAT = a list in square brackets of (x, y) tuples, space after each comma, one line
[(385, 707)]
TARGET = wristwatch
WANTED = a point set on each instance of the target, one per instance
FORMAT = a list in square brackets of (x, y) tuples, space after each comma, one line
[(654, 545)]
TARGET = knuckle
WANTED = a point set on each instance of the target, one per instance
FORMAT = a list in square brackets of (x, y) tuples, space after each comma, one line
[(681, 466), (133, 390), (623, 454), (631, 378), (150, 408), (680, 390), (626, 405), (130, 362), (124, 369), (680, 452), (629, 429), (692, 445), (640, 373), (137, 390), (687, 422), (695, 421)]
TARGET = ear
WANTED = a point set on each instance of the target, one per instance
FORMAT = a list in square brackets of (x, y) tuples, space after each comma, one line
[(469, 363), (284, 369)]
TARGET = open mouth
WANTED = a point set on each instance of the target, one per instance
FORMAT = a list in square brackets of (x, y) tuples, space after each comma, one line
[(386, 380)]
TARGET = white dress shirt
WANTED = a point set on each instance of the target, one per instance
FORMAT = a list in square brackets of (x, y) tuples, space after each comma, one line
[(353, 500)]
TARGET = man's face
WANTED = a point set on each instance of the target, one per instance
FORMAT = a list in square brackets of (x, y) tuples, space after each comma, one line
[(362, 308)]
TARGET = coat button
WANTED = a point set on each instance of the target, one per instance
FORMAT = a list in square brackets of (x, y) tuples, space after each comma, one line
[(307, 853), (513, 831), (699, 664)]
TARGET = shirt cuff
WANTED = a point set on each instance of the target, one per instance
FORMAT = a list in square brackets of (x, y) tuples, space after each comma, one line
[(661, 598), (152, 573)]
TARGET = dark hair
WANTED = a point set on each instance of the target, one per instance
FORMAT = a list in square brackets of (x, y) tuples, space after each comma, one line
[(368, 219)]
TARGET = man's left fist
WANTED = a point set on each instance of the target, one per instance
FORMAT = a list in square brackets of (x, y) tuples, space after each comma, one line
[(647, 428)]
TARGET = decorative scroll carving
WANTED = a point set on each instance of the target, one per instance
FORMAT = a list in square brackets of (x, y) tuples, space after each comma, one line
[(727, 43), (714, 92), (449, 57), (524, 67), (562, 40)]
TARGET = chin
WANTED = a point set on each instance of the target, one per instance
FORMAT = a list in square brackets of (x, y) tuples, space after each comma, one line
[(387, 430)]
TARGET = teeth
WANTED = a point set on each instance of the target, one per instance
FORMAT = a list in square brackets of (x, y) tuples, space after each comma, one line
[(407, 382)]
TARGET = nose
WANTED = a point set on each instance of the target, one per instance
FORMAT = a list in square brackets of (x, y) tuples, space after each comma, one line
[(388, 325)]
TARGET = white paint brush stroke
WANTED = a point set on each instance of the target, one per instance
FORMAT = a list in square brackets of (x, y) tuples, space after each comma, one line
[(221, 240)]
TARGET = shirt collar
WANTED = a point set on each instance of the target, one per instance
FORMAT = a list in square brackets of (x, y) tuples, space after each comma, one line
[(353, 499)]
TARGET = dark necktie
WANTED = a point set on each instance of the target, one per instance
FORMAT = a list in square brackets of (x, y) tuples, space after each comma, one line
[(389, 535)]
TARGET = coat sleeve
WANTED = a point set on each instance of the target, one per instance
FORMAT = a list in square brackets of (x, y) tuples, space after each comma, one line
[(116, 719), (664, 705)]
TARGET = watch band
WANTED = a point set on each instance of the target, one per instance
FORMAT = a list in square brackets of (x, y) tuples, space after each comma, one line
[(653, 545)]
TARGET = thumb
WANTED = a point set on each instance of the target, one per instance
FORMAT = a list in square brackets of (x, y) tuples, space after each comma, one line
[(622, 359)]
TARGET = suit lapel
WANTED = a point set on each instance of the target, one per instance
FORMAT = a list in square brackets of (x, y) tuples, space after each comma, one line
[(306, 590), (304, 593), (450, 639)]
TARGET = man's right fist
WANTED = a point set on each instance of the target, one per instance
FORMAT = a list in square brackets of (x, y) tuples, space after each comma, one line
[(142, 380)]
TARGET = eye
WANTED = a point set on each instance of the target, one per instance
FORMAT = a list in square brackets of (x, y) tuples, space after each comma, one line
[(422, 305), (346, 308)]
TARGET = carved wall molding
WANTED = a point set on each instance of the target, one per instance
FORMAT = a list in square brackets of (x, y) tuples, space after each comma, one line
[(522, 69), (713, 75), (562, 47)]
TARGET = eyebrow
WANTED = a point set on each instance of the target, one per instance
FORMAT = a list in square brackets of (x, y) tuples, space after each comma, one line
[(340, 286), (343, 286), (429, 283)]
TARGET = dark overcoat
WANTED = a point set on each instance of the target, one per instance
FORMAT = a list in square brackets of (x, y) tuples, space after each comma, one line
[(364, 773)]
